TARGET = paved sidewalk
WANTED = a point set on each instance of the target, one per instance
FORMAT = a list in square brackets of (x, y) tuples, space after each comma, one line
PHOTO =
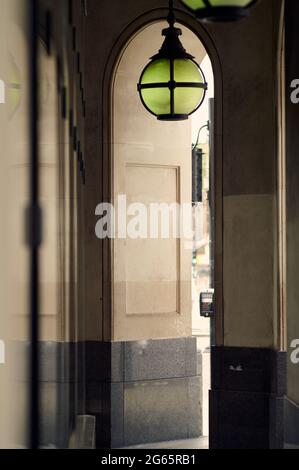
[(201, 443)]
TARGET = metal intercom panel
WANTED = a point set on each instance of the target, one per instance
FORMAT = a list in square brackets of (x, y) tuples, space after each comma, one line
[(207, 308)]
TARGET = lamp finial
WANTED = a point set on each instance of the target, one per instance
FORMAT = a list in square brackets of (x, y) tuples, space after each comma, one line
[(171, 15)]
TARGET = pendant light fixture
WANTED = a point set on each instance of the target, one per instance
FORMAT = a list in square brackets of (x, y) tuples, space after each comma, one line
[(172, 86), (219, 10)]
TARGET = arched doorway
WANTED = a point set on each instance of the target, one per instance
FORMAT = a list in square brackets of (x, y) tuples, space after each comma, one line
[(151, 298)]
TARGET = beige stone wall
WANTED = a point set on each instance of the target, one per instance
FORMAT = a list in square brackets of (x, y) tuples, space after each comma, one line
[(62, 190), (249, 54), (49, 178), (61, 197), (151, 164), (291, 168), (246, 264), (249, 274), (14, 170)]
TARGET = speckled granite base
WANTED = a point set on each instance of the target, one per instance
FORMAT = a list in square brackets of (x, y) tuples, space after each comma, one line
[(247, 398), (143, 392), (62, 391), (291, 424), (146, 392)]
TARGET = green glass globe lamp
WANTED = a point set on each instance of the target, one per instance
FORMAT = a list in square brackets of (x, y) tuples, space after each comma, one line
[(172, 86)]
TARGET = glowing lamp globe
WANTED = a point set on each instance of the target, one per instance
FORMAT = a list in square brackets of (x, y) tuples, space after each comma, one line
[(172, 86)]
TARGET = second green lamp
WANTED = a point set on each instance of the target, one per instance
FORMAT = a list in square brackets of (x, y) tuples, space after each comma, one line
[(219, 10)]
